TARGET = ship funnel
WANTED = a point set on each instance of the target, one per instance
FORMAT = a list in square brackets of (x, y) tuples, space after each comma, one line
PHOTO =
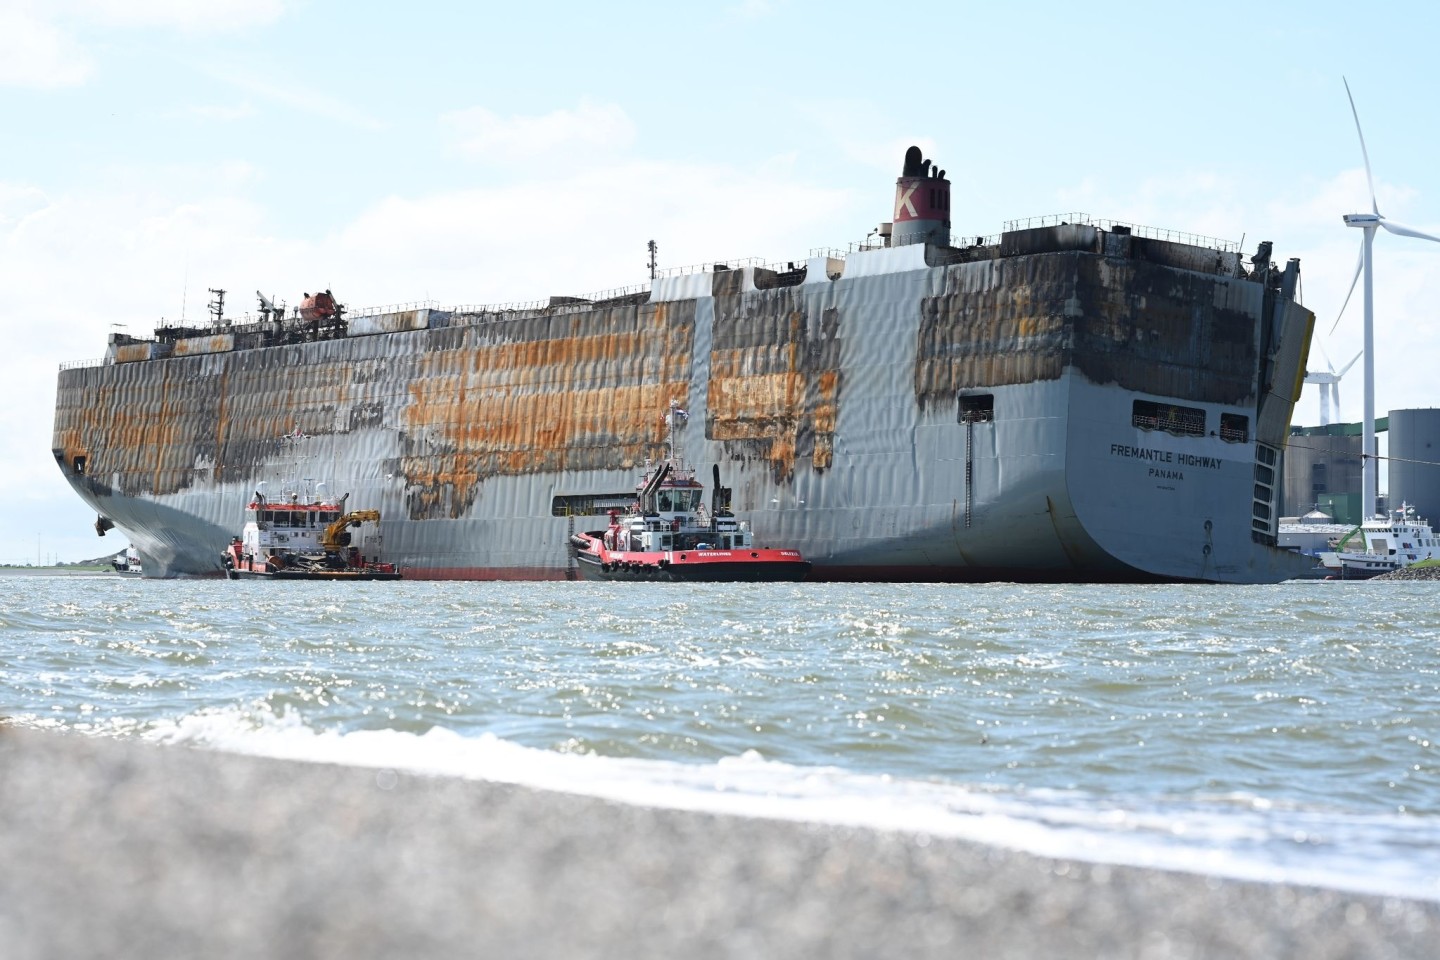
[(922, 202)]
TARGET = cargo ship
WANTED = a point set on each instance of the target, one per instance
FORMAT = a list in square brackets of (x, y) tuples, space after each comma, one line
[(1073, 399)]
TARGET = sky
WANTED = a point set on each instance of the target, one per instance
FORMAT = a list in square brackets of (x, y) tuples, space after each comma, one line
[(469, 153)]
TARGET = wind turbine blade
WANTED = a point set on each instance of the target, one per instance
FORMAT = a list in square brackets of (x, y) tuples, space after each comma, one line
[(1405, 231), (1359, 266), (1321, 347), (1346, 369), (1363, 152)]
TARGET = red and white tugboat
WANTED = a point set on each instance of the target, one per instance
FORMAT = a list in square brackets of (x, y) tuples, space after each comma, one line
[(669, 535), (307, 536)]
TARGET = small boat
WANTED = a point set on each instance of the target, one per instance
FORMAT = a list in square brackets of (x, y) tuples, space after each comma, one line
[(307, 538), (668, 534), (127, 563), (1386, 544)]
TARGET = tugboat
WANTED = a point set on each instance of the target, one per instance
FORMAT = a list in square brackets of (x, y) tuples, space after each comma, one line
[(305, 535), (1387, 544), (669, 535), (305, 541)]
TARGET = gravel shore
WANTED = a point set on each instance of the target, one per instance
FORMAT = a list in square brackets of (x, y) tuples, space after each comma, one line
[(1412, 573), (122, 849)]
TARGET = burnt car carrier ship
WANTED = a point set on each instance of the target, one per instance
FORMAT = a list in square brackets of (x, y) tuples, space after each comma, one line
[(1073, 400)]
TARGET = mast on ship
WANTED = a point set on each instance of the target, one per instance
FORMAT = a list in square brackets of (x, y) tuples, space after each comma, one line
[(675, 413), (217, 306), (671, 468), (297, 488)]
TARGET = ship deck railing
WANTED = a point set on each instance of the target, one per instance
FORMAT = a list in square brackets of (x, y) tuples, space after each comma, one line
[(393, 308), (710, 266), (1136, 229), (550, 303), (877, 242)]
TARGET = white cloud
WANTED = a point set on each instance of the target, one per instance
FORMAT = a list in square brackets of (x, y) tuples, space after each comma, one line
[(41, 43), (210, 16), (862, 132), (582, 232), (752, 9), (294, 94), (221, 113), (482, 134), (35, 53), (18, 200)]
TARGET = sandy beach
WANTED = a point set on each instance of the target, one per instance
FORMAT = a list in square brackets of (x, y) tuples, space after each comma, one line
[(124, 849)]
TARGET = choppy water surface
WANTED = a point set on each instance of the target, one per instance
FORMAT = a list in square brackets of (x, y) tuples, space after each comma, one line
[(1269, 732)]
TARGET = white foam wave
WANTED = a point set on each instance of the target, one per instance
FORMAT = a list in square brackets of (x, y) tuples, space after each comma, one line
[(1233, 836)]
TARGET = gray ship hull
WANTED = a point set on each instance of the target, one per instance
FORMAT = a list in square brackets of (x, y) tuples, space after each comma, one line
[(932, 413)]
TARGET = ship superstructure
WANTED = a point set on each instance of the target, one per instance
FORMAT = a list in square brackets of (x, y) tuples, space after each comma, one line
[(1074, 399)]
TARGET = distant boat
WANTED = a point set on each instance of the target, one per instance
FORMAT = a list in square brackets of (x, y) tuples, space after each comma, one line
[(127, 562), (1386, 544)]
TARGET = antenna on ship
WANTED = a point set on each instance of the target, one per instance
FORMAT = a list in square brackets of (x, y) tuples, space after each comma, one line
[(217, 306), (652, 248)]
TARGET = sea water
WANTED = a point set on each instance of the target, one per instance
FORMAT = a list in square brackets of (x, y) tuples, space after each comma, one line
[(1272, 732)]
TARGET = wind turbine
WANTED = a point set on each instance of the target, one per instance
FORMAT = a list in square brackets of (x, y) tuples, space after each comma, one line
[(1329, 383), (1369, 222)]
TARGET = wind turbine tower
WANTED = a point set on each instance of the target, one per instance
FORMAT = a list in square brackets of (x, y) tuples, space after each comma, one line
[(1329, 383), (1369, 222)]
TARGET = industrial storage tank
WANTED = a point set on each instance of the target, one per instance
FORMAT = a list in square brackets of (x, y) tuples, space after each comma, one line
[(1415, 461), (1322, 470)]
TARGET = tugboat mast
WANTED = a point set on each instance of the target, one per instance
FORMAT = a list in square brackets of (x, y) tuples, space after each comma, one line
[(670, 438)]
